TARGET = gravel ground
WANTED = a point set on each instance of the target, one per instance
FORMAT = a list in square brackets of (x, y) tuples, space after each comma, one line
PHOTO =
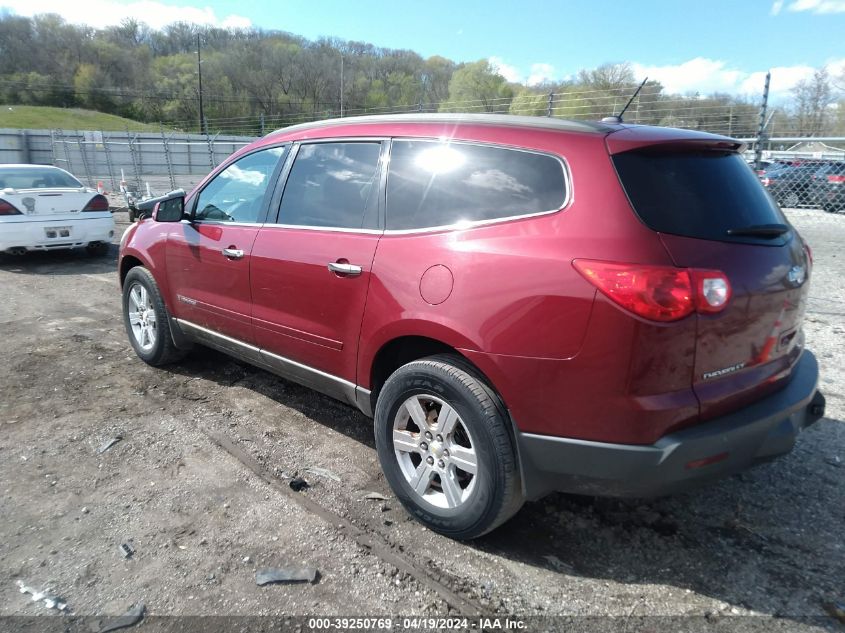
[(767, 542)]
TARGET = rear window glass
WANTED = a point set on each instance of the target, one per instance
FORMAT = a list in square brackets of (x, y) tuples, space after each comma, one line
[(36, 179), (695, 194), (431, 183)]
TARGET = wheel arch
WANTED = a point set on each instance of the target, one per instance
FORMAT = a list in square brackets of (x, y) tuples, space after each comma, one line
[(127, 263), (404, 349)]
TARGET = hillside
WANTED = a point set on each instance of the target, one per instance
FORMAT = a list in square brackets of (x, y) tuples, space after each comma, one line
[(44, 117)]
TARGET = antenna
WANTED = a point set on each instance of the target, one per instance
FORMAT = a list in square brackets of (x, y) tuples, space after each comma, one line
[(617, 118)]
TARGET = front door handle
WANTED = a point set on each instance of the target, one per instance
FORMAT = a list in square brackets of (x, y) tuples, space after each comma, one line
[(233, 253), (345, 268)]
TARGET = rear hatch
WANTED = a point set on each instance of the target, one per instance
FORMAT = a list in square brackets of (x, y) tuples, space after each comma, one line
[(711, 212)]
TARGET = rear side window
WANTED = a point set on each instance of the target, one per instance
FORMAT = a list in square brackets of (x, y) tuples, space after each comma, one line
[(333, 185), (431, 184), (695, 194)]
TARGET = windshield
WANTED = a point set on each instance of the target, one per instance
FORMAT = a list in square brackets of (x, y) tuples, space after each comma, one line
[(36, 178), (699, 194)]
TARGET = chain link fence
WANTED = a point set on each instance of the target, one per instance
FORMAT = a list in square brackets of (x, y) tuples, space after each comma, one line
[(799, 172), (805, 180)]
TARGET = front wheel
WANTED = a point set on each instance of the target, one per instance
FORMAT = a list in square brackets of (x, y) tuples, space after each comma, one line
[(791, 200), (443, 442), (147, 320)]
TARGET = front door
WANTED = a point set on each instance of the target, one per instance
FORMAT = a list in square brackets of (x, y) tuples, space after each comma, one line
[(208, 258), (311, 269)]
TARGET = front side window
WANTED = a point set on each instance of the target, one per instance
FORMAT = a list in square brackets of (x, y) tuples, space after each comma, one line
[(333, 185), (433, 183), (236, 193)]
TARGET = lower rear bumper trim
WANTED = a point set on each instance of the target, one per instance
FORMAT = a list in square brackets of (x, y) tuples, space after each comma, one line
[(713, 449)]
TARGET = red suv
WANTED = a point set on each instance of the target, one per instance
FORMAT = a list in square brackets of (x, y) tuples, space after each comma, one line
[(523, 305)]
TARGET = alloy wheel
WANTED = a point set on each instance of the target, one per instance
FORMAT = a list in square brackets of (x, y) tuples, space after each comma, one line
[(142, 317), (435, 451)]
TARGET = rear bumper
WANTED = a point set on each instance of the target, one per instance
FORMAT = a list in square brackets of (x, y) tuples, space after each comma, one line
[(43, 234), (714, 449)]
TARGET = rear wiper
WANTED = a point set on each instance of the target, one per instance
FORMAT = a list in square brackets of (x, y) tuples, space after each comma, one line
[(761, 230)]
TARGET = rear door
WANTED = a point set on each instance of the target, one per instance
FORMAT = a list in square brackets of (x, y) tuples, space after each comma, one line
[(208, 258), (712, 213), (311, 269)]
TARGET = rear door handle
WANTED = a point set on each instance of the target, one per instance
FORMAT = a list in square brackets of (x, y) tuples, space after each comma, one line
[(233, 253), (348, 269)]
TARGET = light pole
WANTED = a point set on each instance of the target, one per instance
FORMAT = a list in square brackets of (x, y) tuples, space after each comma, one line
[(199, 73)]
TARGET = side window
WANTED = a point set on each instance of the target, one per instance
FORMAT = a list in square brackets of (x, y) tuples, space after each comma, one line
[(333, 185), (432, 183), (236, 193)]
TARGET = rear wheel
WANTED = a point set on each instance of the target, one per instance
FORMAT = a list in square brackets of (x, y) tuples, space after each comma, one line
[(147, 320), (443, 443)]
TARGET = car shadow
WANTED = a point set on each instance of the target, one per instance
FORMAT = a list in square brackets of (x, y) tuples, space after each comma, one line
[(762, 540), (61, 262)]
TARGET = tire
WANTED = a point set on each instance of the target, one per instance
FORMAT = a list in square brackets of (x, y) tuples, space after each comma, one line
[(97, 249), (149, 331), (426, 472), (791, 200)]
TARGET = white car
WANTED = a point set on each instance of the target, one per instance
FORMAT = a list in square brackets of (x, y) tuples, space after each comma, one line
[(45, 208)]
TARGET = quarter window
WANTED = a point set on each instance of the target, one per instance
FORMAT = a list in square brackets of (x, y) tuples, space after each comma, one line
[(236, 193), (433, 184), (333, 185)]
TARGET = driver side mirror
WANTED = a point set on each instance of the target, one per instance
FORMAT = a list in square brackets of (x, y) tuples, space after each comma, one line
[(167, 208)]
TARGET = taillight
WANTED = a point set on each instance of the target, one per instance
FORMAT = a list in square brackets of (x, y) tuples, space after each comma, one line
[(712, 290), (836, 179), (97, 203), (8, 209), (658, 293)]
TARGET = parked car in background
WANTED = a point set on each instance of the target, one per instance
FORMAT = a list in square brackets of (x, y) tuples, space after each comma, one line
[(46, 208), (828, 189), (523, 304), (772, 168), (793, 186)]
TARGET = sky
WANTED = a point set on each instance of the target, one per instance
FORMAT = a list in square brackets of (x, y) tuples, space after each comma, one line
[(716, 45)]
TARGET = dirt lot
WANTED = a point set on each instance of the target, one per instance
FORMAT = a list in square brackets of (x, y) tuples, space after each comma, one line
[(197, 487)]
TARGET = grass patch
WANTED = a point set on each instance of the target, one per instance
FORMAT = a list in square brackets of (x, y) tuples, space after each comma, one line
[(47, 118)]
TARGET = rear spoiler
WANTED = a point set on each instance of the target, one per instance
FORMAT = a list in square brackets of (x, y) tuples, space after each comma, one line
[(642, 137)]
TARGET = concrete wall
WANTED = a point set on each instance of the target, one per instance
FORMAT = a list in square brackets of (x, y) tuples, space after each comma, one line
[(100, 156)]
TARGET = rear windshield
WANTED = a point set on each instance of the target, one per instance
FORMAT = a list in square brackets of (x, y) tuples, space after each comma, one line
[(35, 178), (695, 194)]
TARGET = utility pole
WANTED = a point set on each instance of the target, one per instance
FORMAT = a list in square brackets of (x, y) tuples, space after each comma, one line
[(341, 85), (761, 132), (199, 73)]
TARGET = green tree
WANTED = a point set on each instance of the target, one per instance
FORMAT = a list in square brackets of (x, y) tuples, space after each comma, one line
[(88, 83), (477, 87)]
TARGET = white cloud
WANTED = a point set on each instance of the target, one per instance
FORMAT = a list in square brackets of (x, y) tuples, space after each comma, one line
[(818, 6), (511, 73), (776, 7), (99, 13), (236, 22), (706, 76), (540, 73), (695, 75)]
